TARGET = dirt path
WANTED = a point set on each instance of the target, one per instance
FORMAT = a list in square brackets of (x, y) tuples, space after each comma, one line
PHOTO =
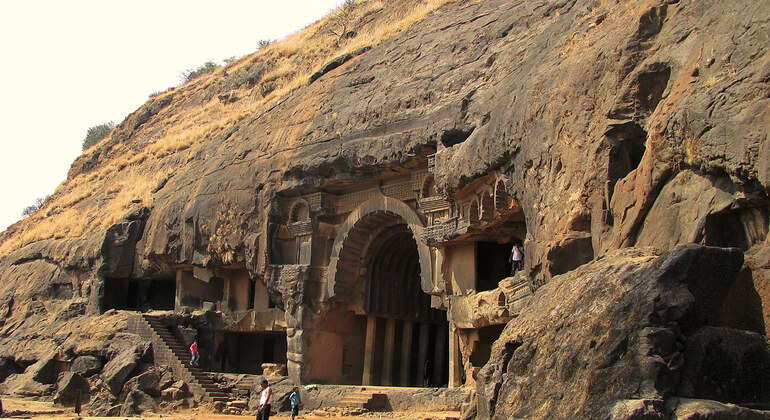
[(24, 408)]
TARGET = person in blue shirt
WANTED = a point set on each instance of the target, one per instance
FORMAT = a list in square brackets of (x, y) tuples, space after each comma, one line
[(294, 399)]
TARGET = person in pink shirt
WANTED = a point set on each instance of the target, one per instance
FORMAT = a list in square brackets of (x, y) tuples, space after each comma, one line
[(194, 353)]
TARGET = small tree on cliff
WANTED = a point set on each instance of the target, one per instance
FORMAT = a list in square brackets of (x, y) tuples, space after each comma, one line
[(205, 68), (341, 21), (97, 133), (33, 208)]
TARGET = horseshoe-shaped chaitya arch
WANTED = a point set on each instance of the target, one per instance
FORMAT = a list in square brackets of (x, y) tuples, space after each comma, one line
[(350, 245)]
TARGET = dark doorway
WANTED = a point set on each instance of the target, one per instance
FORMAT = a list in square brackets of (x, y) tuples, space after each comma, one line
[(492, 264), (237, 352), (139, 294)]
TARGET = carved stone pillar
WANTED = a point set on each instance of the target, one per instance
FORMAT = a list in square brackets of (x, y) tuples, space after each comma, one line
[(422, 351), (371, 330), (406, 353), (455, 359), (438, 354), (387, 358)]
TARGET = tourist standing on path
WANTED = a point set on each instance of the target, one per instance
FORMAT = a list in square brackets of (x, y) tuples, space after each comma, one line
[(265, 401), (294, 400), (194, 353), (517, 258)]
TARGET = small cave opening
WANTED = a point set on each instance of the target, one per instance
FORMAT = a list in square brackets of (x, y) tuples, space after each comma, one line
[(742, 307), (241, 352), (627, 147), (739, 228), (139, 294), (455, 136), (570, 254), (492, 264), (482, 349)]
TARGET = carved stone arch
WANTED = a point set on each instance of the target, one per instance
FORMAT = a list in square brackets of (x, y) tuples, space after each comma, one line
[(350, 245), (473, 213), (300, 211), (428, 187), (487, 210)]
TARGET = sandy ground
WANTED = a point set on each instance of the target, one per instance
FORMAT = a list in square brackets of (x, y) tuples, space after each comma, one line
[(47, 410)]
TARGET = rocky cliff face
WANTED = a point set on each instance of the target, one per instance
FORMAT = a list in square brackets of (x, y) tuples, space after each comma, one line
[(640, 124)]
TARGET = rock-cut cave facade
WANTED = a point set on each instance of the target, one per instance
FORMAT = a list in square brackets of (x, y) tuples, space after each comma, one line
[(379, 282)]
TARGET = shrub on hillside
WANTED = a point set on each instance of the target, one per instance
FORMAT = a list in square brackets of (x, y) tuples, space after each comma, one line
[(262, 43), (33, 208), (97, 133), (191, 74)]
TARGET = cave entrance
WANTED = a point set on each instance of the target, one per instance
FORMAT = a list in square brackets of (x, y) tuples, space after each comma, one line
[(406, 339), (492, 264), (245, 352), (383, 330), (139, 294)]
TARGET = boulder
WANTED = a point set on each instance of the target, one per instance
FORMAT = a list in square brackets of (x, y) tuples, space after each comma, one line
[(273, 369), (689, 409), (137, 402), (44, 370), (174, 394), (127, 342), (620, 336), (86, 365), (67, 387), (148, 382), (118, 369)]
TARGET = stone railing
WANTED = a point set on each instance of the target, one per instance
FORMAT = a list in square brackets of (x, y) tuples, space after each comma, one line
[(440, 232)]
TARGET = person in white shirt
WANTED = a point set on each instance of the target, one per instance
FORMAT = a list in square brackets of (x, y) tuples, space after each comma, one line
[(265, 401), (516, 259)]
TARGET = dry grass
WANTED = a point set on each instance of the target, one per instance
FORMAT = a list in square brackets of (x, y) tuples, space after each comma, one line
[(95, 200)]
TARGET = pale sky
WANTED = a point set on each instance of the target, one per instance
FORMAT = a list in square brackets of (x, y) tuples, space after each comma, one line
[(66, 66)]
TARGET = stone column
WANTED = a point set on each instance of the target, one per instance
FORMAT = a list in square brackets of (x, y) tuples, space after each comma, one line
[(438, 354), (455, 359), (406, 353), (371, 336), (422, 351), (387, 357)]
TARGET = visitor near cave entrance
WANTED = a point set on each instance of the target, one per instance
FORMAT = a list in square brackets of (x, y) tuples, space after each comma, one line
[(265, 401), (294, 400), (517, 258)]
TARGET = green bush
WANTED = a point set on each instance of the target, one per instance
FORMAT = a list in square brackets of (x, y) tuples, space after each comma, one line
[(97, 133), (191, 74)]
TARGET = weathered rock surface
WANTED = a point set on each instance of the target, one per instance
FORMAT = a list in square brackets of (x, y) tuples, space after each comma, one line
[(86, 365), (68, 385), (619, 337), (137, 402), (148, 382), (614, 125), (686, 409), (117, 370)]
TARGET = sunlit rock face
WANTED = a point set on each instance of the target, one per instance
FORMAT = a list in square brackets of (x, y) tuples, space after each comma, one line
[(374, 207)]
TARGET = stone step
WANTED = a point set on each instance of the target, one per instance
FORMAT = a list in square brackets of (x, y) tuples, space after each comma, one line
[(369, 400), (181, 352)]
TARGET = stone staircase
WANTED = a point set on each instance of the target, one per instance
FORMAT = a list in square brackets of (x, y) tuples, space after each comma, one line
[(370, 400), (168, 350)]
